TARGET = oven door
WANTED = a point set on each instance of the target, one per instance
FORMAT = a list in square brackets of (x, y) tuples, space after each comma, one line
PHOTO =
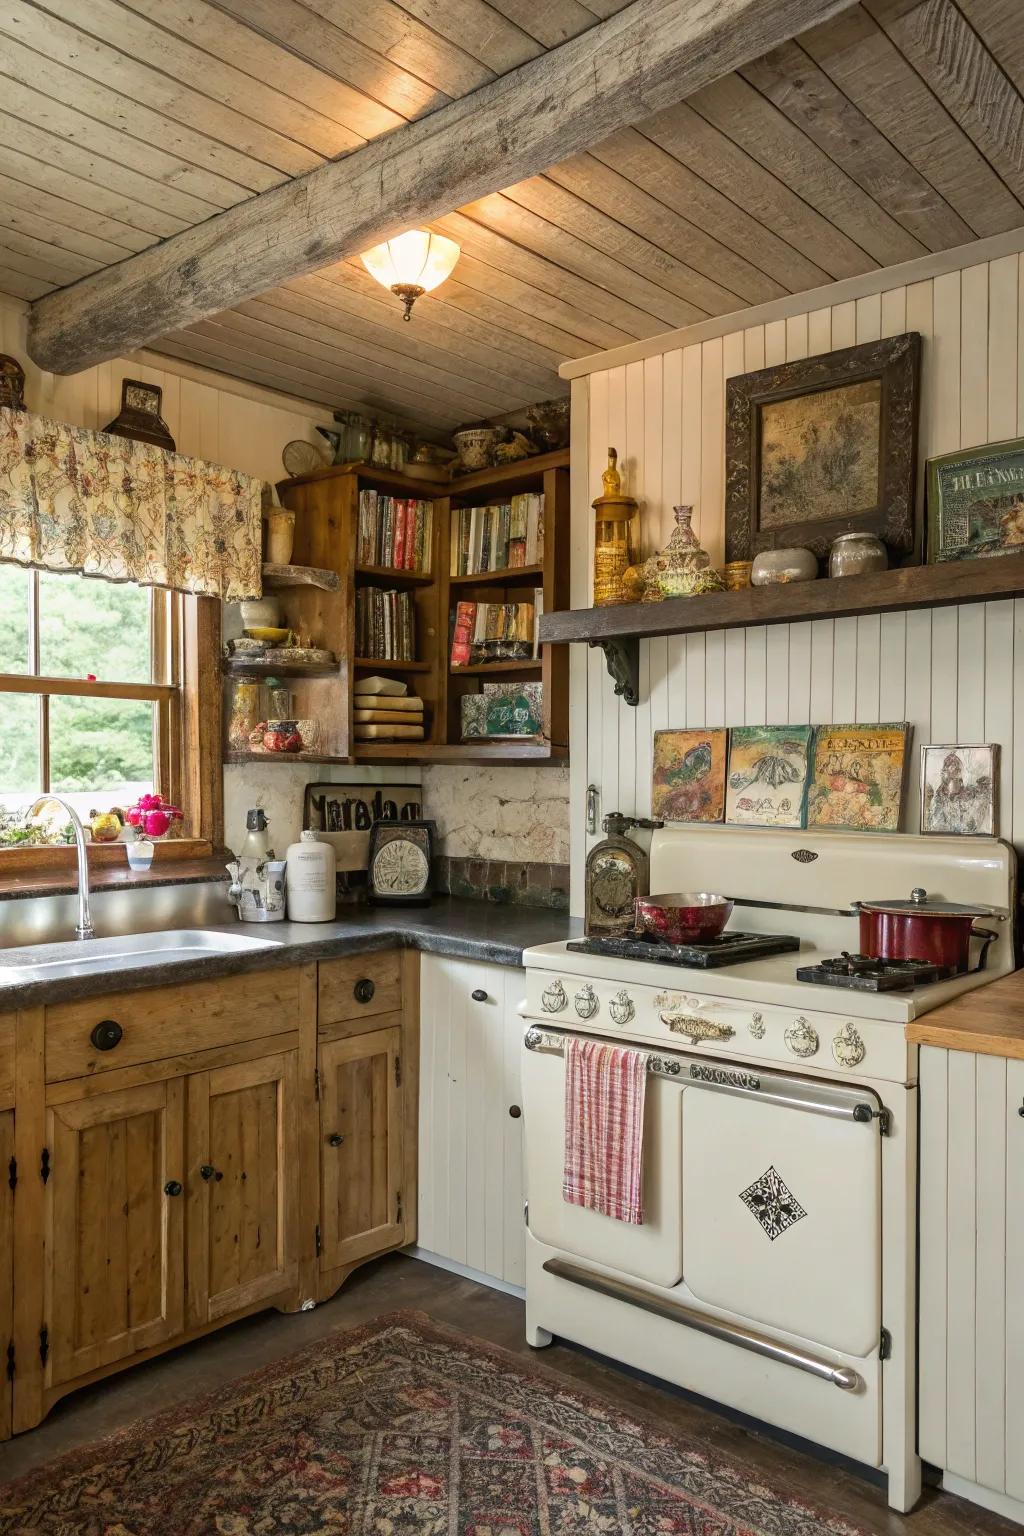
[(782, 1206), (652, 1251)]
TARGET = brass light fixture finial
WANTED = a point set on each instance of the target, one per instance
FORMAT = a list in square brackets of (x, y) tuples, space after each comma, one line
[(411, 264)]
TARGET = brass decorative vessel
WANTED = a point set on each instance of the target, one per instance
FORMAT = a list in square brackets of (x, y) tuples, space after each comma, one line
[(682, 569), (613, 554)]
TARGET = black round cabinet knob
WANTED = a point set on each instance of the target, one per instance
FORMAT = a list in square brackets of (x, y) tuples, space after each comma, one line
[(479, 995), (106, 1034), (514, 1111), (207, 1171), (172, 1187), (334, 1139), (364, 990)]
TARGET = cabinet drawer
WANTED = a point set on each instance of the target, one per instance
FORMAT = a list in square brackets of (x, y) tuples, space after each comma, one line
[(167, 1021), (360, 986)]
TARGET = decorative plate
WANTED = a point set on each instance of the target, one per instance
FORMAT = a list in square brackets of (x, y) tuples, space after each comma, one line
[(398, 864), (301, 458)]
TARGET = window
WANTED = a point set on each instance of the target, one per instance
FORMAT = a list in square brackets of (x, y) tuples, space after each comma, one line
[(90, 690)]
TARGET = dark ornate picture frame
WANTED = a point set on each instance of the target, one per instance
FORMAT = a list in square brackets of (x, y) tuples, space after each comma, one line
[(896, 363)]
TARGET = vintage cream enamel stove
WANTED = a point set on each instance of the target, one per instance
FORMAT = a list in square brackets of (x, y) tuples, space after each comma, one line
[(775, 1270)]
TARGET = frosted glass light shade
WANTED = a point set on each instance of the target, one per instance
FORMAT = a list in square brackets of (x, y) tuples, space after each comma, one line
[(412, 263)]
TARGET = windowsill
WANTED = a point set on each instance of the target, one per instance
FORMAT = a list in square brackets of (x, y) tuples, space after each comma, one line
[(52, 871)]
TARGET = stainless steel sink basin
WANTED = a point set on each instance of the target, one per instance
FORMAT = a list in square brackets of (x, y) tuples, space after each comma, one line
[(82, 957)]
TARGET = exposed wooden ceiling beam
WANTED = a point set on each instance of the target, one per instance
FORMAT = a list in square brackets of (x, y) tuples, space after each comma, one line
[(646, 57)]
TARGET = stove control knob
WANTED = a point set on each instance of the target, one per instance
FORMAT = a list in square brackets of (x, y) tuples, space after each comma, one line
[(848, 1048), (802, 1038), (585, 1002), (553, 998), (622, 1008)]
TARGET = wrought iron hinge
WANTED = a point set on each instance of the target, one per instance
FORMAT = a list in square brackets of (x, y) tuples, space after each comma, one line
[(12, 1173), (398, 1071), (398, 1206), (44, 1165), (884, 1344), (44, 1343), (884, 1122), (10, 1361), (316, 1082), (319, 1244)]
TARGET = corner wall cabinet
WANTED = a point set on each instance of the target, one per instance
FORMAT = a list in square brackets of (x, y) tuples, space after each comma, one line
[(198, 1162), (326, 504), (971, 1409)]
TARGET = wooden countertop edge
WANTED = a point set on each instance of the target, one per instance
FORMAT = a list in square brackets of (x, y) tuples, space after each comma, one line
[(988, 1021)]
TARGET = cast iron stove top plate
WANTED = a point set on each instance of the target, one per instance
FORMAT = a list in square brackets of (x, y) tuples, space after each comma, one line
[(727, 949)]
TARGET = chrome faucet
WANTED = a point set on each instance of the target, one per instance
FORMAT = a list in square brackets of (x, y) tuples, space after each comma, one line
[(84, 928)]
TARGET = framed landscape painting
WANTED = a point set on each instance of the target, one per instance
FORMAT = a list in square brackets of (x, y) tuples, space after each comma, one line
[(858, 778), (768, 772), (688, 782), (822, 446), (959, 790)]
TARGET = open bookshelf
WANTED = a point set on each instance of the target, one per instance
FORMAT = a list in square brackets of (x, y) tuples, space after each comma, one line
[(328, 541)]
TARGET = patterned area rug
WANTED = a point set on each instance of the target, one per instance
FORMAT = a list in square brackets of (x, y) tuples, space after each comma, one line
[(400, 1428)]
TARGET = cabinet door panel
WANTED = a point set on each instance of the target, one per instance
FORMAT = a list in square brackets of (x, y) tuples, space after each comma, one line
[(1014, 1268), (243, 1185), (6, 1261), (361, 1146), (115, 1253)]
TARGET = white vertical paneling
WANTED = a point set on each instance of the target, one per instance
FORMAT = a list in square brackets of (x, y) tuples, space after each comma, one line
[(579, 597), (953, 673), (1013, 1270), (960, 1278), (990, 1358), (624, 745), (598, 685), (934, 1235), (513, 1269)]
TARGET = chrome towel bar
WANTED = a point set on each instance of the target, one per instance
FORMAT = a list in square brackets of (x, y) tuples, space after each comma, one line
[(842, 1376)]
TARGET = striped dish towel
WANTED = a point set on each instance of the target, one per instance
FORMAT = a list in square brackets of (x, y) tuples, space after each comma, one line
[(605, 1087)]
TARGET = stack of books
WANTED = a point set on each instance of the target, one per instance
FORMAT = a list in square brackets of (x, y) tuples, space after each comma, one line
[(385, 624), (394, 531), (483, 632), (498, 538), (383, 709)]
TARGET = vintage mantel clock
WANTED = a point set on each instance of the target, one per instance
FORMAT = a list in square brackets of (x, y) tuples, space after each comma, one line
[(616, 874), (398, 867)]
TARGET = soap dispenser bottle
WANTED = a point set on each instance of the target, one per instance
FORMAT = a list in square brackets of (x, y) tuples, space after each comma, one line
[(617, 872)]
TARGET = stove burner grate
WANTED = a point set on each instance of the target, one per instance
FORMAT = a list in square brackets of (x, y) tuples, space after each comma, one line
[(866, 973), (727, 949)]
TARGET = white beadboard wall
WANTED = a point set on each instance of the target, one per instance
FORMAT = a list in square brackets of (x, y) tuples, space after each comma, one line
[(953, 672)]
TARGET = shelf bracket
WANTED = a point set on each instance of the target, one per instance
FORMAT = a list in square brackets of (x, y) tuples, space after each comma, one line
[(622, 658)]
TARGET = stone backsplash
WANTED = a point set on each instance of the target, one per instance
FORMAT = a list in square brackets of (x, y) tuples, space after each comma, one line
[(523, 884)]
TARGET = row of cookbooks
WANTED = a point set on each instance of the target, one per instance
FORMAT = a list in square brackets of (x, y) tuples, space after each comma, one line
[(385, 624), (499, 537), (394, 531), (483, 632)]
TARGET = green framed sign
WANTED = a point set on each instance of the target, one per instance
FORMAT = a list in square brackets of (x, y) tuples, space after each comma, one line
[(976, 502)]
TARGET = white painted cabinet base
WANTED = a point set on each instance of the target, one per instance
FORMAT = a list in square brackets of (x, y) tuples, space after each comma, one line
[(470, 1147), (972, 1260)]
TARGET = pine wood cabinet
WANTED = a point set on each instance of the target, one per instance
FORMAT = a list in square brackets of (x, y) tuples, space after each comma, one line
[(114, 1267), (243, 1208), (219, 1157)]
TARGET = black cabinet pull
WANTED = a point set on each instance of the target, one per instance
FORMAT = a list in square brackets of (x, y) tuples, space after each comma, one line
[(207, 1171), (172, 1187), (364, 990), (478, 995), (334, 1139), (514, 1111), (106, 1034), (1021, 1110)]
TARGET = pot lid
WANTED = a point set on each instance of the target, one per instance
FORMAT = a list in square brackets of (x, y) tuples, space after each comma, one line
[(920, 904)]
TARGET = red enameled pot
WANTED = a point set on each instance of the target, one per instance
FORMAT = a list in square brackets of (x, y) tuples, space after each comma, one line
[(683, 917), (921, 929)]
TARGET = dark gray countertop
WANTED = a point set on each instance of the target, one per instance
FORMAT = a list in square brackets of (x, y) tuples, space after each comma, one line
[(475, 930)]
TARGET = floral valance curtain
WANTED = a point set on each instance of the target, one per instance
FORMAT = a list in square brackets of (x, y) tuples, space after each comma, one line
[(75, 500)]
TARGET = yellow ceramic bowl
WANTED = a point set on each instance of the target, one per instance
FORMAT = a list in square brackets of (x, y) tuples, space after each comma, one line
[(268, 634)]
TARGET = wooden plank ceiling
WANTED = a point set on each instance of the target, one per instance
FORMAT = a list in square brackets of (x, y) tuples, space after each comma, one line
[(892, 131)]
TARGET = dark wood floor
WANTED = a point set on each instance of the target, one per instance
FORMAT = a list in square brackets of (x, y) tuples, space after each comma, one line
[(398, 1282)]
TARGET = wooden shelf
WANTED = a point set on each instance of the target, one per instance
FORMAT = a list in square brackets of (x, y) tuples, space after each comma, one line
[(506, 576), (913, 586), (278, 577), (508, 478), (496, 668), (526, 751), (282, 757), (380, 664), (395, 575), (261, 667)]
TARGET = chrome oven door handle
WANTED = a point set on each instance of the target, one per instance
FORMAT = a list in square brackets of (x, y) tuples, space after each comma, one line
[(693, 1029)]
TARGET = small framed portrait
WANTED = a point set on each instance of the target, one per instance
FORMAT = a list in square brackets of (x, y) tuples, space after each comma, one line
[(960, 790)]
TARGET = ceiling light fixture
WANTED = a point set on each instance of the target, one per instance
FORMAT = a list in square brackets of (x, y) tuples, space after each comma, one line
[(411, 264)]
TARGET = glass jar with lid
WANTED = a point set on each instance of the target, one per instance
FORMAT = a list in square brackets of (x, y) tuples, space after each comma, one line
[(244, 713)]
